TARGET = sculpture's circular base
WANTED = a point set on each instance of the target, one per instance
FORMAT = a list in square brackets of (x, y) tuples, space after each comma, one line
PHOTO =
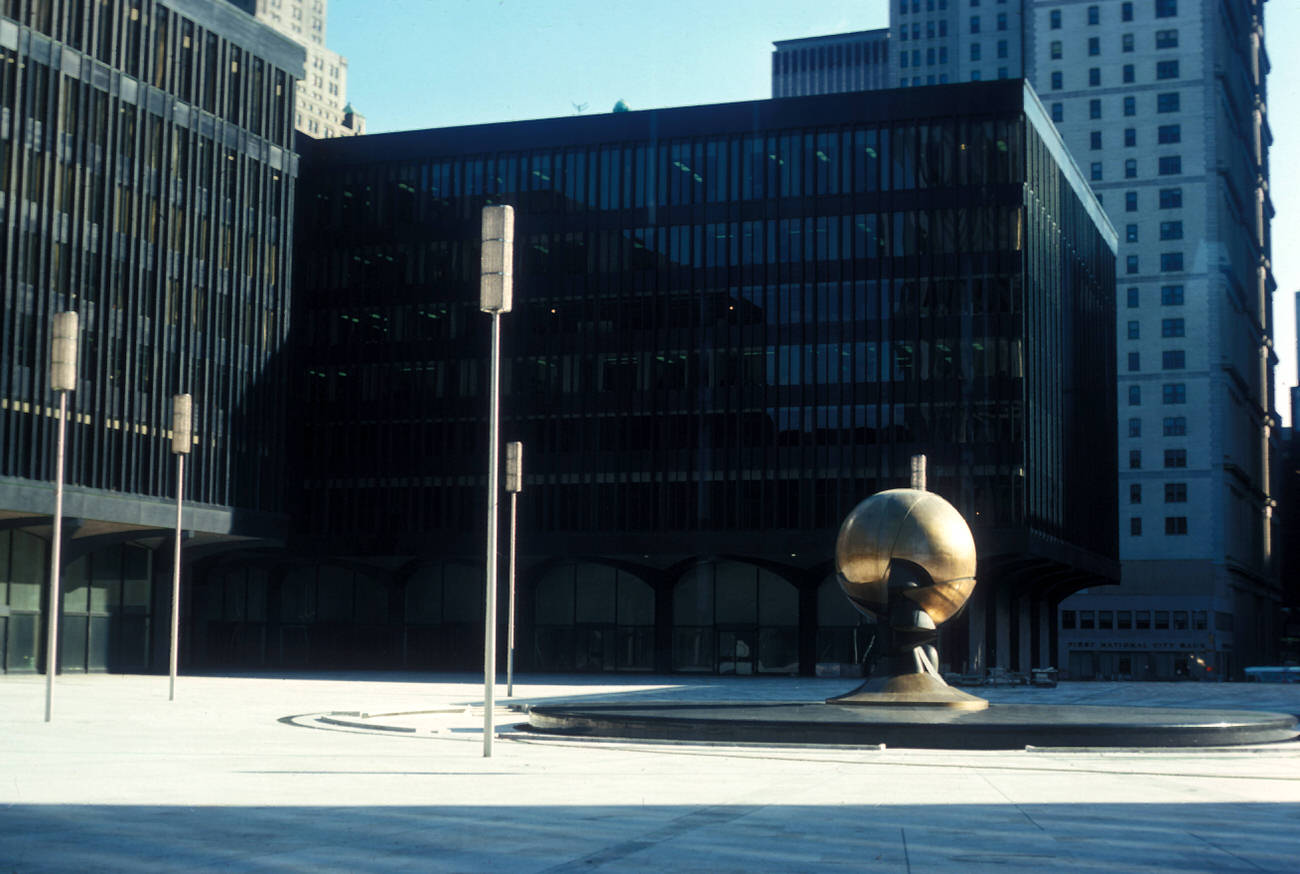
[(1001, 726)]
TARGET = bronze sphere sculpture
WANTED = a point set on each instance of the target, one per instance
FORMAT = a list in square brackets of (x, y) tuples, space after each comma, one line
[(906, 558)]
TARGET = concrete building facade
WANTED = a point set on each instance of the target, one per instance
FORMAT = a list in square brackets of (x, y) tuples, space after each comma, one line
[(137, 136), (832, 64), (322, 109)]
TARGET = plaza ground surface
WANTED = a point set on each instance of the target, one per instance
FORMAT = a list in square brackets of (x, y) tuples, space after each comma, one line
[(242, 773)]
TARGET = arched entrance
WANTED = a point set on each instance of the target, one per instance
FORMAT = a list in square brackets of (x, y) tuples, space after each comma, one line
[(730, 617), (444, 617), (844, 635), (593, 617)]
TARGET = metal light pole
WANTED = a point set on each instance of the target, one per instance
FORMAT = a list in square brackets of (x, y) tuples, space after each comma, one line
[(495, 294), (514, 485), (63, 379), (182, 419)]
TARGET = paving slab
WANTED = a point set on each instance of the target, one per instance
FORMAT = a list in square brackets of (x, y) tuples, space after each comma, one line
[(239, 774)]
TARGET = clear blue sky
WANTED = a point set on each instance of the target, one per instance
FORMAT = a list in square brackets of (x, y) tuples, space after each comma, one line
[(437, 63)]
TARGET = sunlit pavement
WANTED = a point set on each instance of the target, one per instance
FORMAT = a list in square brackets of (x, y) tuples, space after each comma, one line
[(363, 772)]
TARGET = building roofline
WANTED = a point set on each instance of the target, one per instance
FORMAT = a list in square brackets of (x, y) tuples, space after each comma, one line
[(830, 110), (879, 33), (245, 31)]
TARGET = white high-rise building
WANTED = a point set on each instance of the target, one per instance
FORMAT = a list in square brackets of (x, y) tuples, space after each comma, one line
[(1163, 104), (322, 108)]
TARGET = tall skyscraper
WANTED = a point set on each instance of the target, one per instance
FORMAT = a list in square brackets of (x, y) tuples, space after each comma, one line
[(1163, 104), (322, 108)]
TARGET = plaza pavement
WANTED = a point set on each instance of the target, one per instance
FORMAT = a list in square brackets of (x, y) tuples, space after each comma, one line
[(253, 773)]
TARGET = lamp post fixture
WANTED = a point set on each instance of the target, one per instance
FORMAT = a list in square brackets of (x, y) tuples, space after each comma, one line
[(514, 485), (63, 379), (495, 297), (182, 427)]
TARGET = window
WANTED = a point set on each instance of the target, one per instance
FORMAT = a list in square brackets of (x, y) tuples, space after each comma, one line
[(1126, 11), (1169, 133), (1173, 359), (1135, 459), (1135, 526), (1166, 8), (1131, 233), (902, 59), (1130, 105), (1094, 139), (1129, 73), (1054, 19), (1167, 69), (1170, 165), (1058, 112), (1094, 76), (1131, 264), (1134, 332), (1175, 458), (974, 24), (1135, 430), (1094, 45), (1166, 39), (1172, 328), (1067, 619), (1175, 493), (1055, 50), (1095, 171), (1171, 198), (1180, 616), (974, 51), (1171, 295), (1134, 361), (1105, 620), (1135, 395), (1173, 393), (1167, 102), (1130, 201), (1142, 620), (1094, 15), (1199, 620), (1094, 108), (1135, 491), (1130, 137), (1171, 262), (1002, 25), (1171, 230), (1162, 620), (1057, 82), (1175, 524), (1132, 297), (1126, 42), (1130, 168), (1175, 426)]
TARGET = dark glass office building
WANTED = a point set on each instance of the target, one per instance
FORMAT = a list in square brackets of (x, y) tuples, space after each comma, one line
[(146, 182), (732, 323)]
